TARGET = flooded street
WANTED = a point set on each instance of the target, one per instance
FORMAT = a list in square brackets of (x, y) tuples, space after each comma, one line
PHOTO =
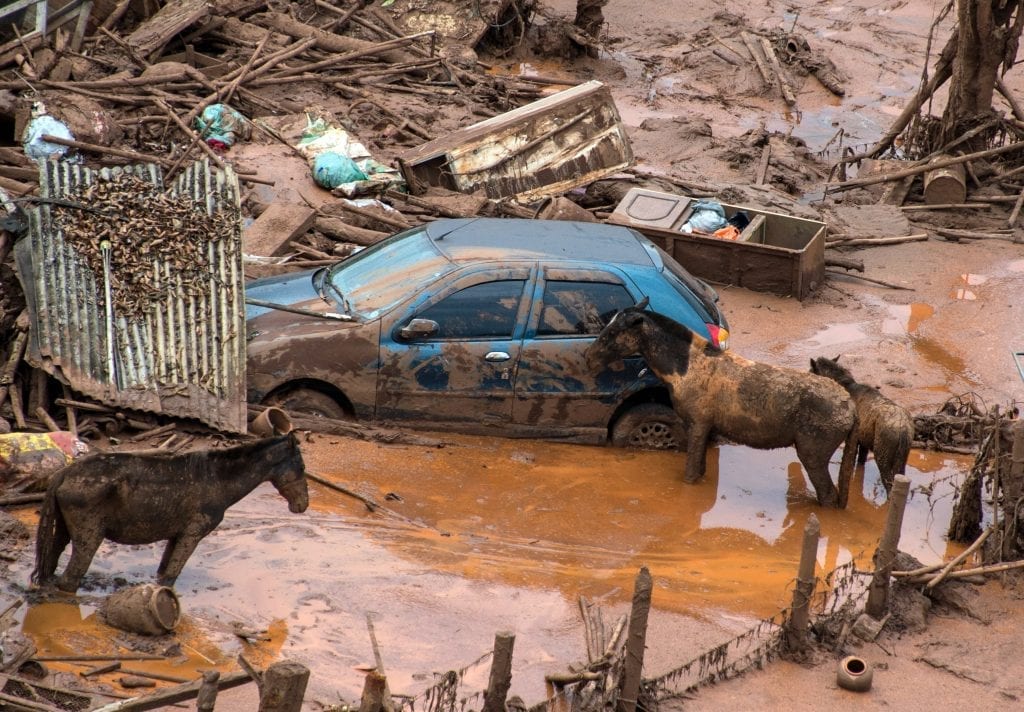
[(484, 535)]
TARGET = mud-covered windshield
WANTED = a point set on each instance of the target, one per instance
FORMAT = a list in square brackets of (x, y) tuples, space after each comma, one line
[(379, 277)]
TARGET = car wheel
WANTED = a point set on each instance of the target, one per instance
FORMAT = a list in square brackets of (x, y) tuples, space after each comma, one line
[(651, 426), (309, 402)]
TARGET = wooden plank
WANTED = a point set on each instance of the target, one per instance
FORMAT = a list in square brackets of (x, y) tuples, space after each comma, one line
[(157, 31), (276, 226)]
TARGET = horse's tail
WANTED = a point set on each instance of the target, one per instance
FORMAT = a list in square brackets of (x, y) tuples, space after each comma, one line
[(847, 464), (52, 534)]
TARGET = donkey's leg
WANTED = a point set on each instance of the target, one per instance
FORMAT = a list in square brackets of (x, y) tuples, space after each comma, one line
[(178, 552), (84, 545), (697, 450), (814, 456)]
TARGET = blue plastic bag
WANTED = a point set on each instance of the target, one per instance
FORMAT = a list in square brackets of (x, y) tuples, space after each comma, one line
[(331, 169), (221, 123), (707, 216), (42, 125)]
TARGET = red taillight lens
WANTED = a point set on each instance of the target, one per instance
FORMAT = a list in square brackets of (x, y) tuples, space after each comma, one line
[(719, 336)]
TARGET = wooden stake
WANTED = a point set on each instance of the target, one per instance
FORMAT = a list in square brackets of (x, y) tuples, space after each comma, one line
[(1016, 209), (501, 673), (206, 698), (372, 699), (636, 642), (284, 687), (885, 555), (796, 632), (47, 420), (762, 170)]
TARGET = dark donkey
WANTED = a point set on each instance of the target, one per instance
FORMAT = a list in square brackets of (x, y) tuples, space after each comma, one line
[(883, 427), (141, 499), (753, 404)]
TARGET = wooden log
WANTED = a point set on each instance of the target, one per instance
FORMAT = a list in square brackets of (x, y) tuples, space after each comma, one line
[(878, 590), (1015, 107), (336, 228), (100, 669), (945, 185), (1016, 209), (375, 215), (48, 421), (11, 366), (762, 169), (769, 52), (324, 40), (501, 673), (1012, 485), (762, 67), (284, 687), (921, 168), (844, 262), (847, 241), (172, 695), (948, 206), (108, 150), (948, 568), (380, 48), (174, 17), (796, 629), (869, 279), (636, 642), (956, 234)]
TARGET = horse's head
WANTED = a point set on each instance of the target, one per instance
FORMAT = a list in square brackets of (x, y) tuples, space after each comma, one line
[(289, 475), (619, 338), (830, 368)]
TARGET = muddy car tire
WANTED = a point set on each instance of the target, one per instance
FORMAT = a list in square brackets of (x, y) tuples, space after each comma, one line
[(309, 402), (650, 426)]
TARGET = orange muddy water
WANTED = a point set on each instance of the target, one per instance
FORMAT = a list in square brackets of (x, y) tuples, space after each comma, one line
[(485, 535)]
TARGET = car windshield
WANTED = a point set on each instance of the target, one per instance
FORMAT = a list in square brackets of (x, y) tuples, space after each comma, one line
[(377, 278), (689, 286)]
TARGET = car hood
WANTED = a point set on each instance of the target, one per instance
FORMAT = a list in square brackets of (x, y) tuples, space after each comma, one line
[(292, 289)]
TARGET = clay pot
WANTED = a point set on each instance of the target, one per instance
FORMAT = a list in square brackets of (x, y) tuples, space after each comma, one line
[(147, 609), (854, 674), (272, 421)]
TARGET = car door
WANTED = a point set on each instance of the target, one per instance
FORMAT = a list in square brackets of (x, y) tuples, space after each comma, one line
[(554, 387), (462, 365)]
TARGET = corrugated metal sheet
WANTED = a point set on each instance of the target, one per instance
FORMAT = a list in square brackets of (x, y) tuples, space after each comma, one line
[(186, 356)]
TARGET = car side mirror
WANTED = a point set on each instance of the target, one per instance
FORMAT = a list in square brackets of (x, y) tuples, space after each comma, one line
[(419, 329)]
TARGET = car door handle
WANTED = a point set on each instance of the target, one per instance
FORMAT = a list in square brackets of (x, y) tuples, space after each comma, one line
[(496, 356)]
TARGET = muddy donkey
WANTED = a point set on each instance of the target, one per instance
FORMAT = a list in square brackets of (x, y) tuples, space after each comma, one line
[(883, 427), (141, 499), (753, 404)]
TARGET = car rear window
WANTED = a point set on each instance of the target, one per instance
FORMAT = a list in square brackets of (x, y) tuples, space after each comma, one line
[(379, 277), (689, 286)]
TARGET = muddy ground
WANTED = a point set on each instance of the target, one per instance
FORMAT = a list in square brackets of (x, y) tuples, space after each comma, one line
[(949, 332)]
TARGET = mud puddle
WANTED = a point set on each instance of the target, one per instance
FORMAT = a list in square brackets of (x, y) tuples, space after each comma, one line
[(487, 535)]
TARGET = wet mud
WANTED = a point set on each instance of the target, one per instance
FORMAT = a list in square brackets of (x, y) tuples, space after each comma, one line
[(486, 535)]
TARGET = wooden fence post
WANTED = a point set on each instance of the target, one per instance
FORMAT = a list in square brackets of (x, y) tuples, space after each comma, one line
[(501, 672), (636, 642), (885, 555), (284, 687), (206, 699), (374, 691), (796, 632), (1012, 485)]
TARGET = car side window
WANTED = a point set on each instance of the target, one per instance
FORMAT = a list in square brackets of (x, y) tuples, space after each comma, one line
[(483, 311), (580, 308)]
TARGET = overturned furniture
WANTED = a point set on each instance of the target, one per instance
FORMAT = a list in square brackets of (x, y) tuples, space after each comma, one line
[(547, 147), (776, 253)]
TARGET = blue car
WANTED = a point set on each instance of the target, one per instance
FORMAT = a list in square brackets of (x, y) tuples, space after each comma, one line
[(476, 325)]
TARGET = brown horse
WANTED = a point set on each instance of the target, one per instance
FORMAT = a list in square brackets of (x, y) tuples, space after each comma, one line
[(141, 499), (753, 404), (884, 427)]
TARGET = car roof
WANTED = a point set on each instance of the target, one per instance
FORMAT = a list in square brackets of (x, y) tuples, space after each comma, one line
[(463, 239)]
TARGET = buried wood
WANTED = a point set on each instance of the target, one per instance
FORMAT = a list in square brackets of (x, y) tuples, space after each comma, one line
[(878, 590), (796, 629), (173, 695), (636, 642), (880, 282)]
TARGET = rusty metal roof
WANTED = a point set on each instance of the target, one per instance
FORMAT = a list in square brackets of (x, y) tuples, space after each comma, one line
[(186, 356)]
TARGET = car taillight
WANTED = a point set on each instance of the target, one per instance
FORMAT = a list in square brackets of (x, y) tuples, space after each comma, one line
[(719, 336)]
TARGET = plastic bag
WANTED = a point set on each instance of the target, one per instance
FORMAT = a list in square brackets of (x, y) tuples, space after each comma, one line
[(42, 124), (707, 216), (220, 126), (331, 169)]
